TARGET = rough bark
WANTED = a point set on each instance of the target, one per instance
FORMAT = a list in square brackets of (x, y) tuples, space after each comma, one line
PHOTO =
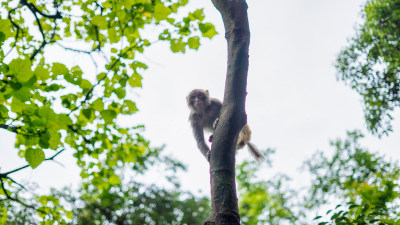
[(224, 204)]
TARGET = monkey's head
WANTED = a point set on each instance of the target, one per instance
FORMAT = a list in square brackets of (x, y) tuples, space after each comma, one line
[(198, 100)]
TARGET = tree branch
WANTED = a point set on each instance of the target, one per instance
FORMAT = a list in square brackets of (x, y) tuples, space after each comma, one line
[(11, 128), (77, 131), (73, 49), (5, 175), (8, 197), (17, 33), (35, 10), (224, 205)]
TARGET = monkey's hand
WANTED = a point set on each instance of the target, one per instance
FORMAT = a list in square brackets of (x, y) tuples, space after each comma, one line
[(210, 139)]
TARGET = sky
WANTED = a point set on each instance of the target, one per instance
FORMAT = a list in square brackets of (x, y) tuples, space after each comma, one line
[(295, 103)]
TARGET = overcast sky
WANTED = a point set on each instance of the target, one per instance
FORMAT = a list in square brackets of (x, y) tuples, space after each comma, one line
[(294, 104)]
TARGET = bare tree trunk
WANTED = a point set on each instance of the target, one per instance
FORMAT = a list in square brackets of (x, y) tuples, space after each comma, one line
[(224, 204)]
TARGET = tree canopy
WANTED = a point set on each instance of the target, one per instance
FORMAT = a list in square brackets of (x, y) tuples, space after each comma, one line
[(56, 107), (53, 106), (370, 64)]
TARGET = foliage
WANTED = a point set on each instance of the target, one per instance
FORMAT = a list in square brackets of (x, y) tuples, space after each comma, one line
[(53, 106), (135, 203), (370, 64), (264, 202), (46, 208), (365, 182), (130, 203)]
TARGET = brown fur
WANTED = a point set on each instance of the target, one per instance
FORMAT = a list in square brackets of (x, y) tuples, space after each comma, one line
[(204, 111)]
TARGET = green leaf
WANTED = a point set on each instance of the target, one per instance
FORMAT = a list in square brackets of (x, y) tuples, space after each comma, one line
[(53, 87), (42, 73), (99, 21), (69, 214), (317, 217), (88, 113), (15, 85), (177, 45), (194, 42), (114, 180), (59, 69), (34, 157), (44, 140), (128, 3), (75, 77), (161, 12), (17, 106), (3, 111), (136, 64), (101, 76), (98, 105), (207, 30), (38, 123), (5, 27), (85, 85), (198, 14), (2, 38), (113, 36), (135, 80), (21, 68), (108, 115), (129, 107), (120, 92), (47, 113), (23, 94), (114, 50)]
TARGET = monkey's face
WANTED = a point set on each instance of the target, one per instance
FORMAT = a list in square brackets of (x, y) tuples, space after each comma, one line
[(198, 100)]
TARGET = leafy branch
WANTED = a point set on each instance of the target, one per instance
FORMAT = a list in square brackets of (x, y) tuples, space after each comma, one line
[(89, 93), (5, 176), (17, 27), (35, 11)]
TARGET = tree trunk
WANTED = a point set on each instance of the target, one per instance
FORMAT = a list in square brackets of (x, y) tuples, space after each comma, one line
[(224, 204)]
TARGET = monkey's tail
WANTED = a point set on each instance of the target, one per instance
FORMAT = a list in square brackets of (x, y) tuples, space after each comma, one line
[(255, 152)]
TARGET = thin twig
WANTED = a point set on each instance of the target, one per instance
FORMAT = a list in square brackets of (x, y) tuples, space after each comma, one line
[(43, 35), (12, 180), (4, 175), (77, 131), (8, 197), (73, 49), (17, 27)]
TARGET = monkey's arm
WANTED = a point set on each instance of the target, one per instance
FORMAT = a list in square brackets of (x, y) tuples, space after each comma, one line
[(198, 133)]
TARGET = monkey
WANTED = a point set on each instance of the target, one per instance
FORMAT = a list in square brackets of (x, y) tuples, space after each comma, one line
[(204, 115), (203, 112)]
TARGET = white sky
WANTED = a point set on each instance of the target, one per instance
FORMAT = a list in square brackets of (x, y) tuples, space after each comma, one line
[(295, 103)]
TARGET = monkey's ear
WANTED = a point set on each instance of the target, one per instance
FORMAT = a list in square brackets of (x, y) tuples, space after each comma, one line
[(207, 93)]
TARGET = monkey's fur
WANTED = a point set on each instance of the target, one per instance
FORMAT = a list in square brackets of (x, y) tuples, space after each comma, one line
[(204, 111)]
